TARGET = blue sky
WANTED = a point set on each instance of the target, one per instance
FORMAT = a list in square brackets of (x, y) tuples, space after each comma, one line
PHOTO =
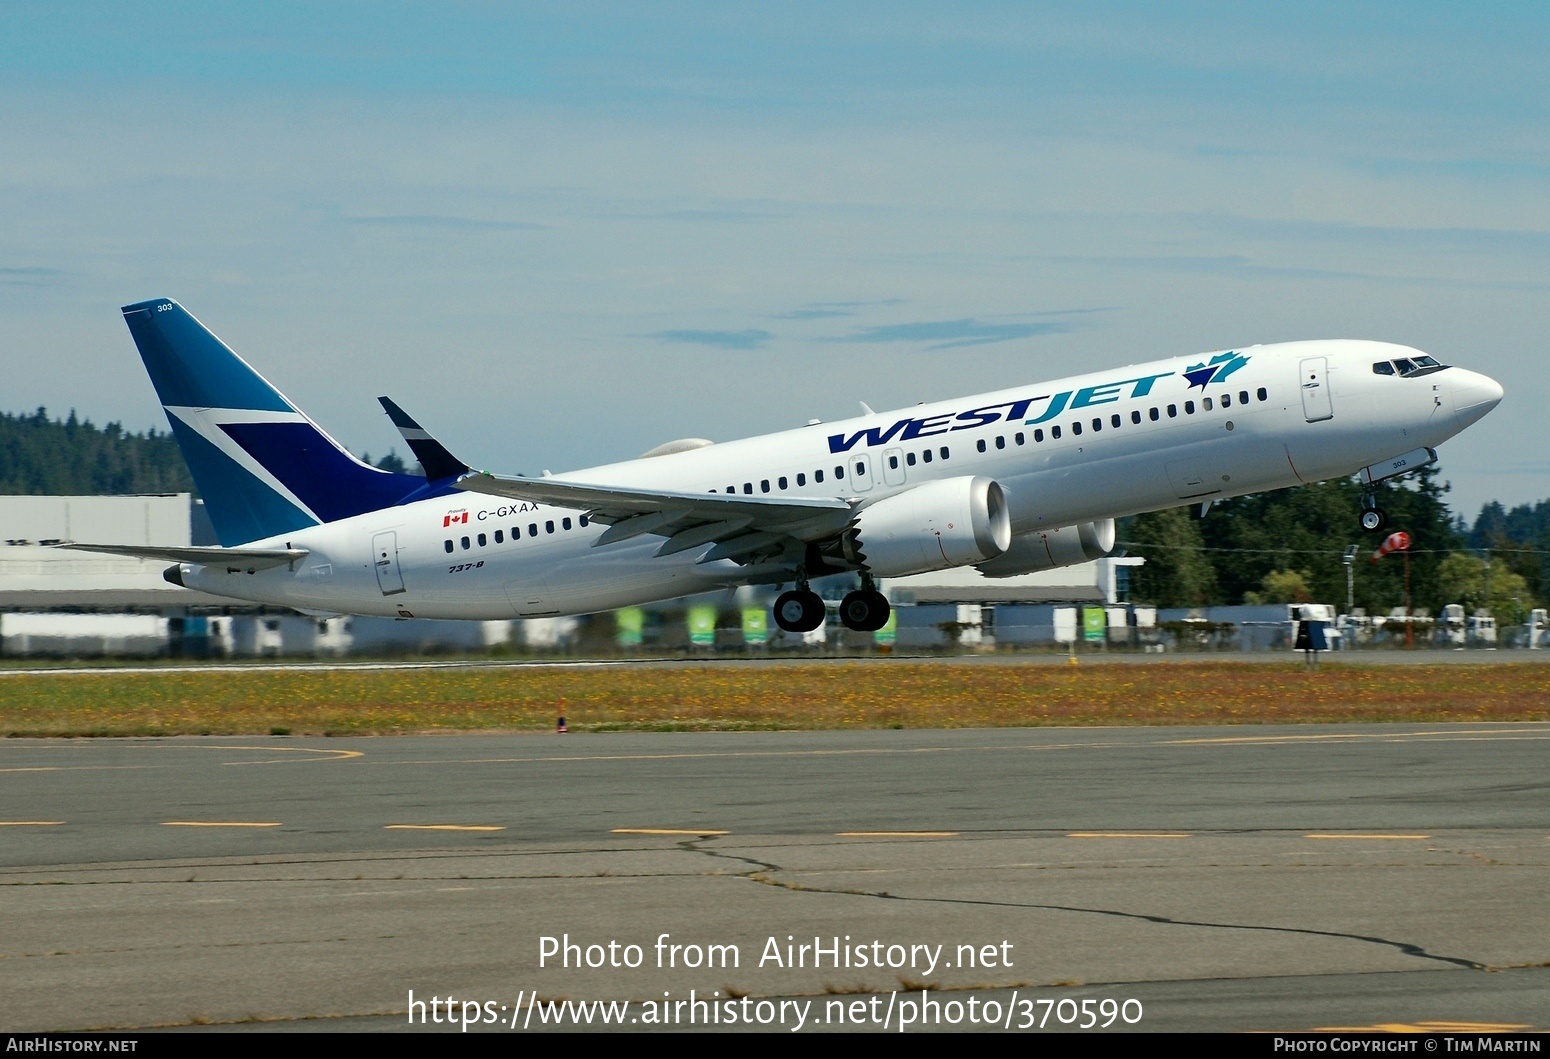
[(560, 235)]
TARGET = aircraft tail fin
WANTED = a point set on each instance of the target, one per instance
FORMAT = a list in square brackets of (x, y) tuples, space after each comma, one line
[(261, 465)]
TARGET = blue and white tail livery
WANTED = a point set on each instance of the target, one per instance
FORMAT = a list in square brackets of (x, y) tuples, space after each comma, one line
[(261, 465), (1010, 482)]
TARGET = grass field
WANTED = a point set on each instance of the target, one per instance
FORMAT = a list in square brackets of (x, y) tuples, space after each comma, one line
[(732, 697)]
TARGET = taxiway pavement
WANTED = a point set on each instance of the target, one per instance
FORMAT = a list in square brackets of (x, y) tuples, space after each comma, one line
[(1230, 877)]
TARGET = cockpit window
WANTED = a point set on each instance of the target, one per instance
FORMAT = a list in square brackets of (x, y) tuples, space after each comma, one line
[(1408, 367)]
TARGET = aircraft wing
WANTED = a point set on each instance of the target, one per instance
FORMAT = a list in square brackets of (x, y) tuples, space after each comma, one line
[(245, 558), (741, 527)]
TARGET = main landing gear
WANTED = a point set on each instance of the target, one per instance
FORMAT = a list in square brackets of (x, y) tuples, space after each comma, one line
[(800, 610), (1373, 518), (866, 609)]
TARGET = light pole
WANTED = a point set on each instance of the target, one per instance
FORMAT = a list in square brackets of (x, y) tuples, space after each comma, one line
[(1350, 560)]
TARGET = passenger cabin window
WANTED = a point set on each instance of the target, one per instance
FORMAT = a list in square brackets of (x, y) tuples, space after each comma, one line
[(1097, 424), (465, 544), (801, 479), (1135, 417), (516, 533), (583, 520), (500, 538), (1054, 433), (860, 467), (909, 458), (893, 463), (1173, 411), (549, 526), (1226, 400), (980, 444), (1189, 408), (817, 476), (1038, 434), (482, 541), (945, 453), (748, 487), (926, 455), (764, 485), (565, 523), (1019, 438), (1076, 428), (1153, 414), (1114, 420), (1205, 402), (449, 544), (532, 529), (1262, 394), (839, 473), (1243, 397), (782, 482), (1000, 442)]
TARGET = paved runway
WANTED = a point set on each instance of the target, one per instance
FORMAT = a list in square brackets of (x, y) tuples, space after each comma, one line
[(1238, 878)]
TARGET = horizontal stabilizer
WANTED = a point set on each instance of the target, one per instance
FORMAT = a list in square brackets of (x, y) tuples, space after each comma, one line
[(246, 558), (432, 454)]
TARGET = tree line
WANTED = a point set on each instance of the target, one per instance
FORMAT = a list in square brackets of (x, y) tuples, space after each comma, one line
[(43, 456), (1288, 546)]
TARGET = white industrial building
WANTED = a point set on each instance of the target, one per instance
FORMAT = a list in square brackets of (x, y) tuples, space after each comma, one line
[(59, 602)]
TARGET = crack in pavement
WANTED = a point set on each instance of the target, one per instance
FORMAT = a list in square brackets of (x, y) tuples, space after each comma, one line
[(757, 874)]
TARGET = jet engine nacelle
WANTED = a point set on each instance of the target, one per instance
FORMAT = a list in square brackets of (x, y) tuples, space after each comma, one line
[(955, 522), (1049, 549)]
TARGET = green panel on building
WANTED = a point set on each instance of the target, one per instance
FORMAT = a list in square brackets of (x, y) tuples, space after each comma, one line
[(702, 625), (630, 620), (756, 628), (888, 635), (1094, 621)]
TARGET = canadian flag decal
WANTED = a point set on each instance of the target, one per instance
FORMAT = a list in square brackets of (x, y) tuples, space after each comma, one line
[(455, 518)]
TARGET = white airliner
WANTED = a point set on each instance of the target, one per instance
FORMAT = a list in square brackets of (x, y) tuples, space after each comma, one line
[(1010, 482)]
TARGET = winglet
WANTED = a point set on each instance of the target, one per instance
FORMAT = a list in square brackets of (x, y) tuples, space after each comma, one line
[(433, 456)]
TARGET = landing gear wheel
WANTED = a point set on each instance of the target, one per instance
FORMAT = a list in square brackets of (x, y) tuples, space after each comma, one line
[(865, 610), (1373, 519), (800, 610)]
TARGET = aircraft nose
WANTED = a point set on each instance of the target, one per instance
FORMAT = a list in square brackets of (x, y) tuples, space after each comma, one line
[(1473, 396)]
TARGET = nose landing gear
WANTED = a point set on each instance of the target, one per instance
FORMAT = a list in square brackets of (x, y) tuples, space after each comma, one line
[(1373, 517)]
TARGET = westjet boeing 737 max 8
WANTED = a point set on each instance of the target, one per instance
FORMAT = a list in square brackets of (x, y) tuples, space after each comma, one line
[(1011, 482)]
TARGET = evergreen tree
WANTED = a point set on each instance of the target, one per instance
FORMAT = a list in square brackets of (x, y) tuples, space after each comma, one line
[(1178, 572), (40, 456)]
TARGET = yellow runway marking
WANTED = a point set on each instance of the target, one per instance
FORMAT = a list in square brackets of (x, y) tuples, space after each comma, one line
[(1129, 834), (326, 754), (895, 834), (666, 831), (444, 827), (1397, 838), (220, 823), (30, 823)]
